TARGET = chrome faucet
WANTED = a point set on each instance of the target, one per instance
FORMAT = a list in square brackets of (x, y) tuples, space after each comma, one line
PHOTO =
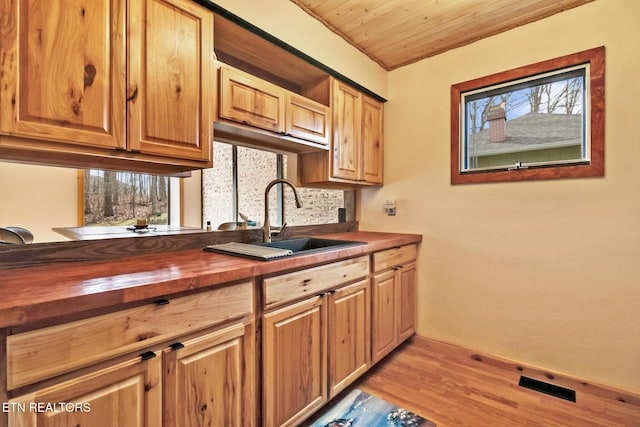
[(266, 228)]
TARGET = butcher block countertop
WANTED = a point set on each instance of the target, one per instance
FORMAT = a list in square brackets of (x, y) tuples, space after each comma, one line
[(42, 293)]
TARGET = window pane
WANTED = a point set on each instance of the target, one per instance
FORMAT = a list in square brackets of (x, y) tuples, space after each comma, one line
[(217, 187), (119, 198), (319, 206), (535, 121), (256, 168)]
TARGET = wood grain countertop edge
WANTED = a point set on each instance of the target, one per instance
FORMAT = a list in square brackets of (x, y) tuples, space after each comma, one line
[(35, 294)]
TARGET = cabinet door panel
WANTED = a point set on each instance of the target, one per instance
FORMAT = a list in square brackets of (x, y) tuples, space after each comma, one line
[(127, 394), (248, 100), (385, 328), (295, 371), (307, 119), (407, 302), (347, 111), (348, 335), (372, 140), (171, 70), (203, 381), (64, 68)]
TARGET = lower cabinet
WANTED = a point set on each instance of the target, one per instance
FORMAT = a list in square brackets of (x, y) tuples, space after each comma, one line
[(191, 361), (394, 295), (188, 361), (205, 380), (314, 348), (294, 362), (125, 394), (349, 343)]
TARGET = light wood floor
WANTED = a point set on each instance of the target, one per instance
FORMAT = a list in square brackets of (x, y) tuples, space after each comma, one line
[(456, 390)]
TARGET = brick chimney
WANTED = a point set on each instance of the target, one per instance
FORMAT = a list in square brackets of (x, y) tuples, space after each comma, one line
[(497, 118)]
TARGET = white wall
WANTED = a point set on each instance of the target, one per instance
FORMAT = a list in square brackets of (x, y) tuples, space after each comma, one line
[(544, 272)]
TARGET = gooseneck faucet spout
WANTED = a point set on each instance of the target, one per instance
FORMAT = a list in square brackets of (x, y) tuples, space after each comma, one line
[(266, 228)]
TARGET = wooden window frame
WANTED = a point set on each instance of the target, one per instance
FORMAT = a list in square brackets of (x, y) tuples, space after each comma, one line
[(593, 168)]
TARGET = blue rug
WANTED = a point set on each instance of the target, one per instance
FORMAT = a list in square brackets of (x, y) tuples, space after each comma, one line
[(360, 409)]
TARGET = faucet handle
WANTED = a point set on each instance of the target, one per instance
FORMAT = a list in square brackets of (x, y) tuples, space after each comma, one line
[(275, 231)]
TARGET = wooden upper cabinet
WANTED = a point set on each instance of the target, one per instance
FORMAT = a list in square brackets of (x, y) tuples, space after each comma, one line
[(307, 119), (86, 84), (64, 72), (372, 140), (251, 101), (356, 155), (170, 91), (347, 115)]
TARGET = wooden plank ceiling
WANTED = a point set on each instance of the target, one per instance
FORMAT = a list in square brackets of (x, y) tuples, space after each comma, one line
[(399, 32)]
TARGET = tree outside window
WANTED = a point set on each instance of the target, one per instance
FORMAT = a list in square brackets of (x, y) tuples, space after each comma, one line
[(120, 198)]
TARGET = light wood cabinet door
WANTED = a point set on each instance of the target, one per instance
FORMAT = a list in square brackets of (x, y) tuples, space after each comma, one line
[(406, 295), (372, 140), (63, 71), (294, 362), (251, 101), (384, 323), (205, 378), (170, 91), (349, 335), (357, 142), (307, 119), (126, 394), (394, 299), (346, 144)]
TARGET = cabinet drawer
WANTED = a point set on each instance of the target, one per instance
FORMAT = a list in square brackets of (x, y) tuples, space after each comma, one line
[(392, 257), (293, 286), (43, 353)]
